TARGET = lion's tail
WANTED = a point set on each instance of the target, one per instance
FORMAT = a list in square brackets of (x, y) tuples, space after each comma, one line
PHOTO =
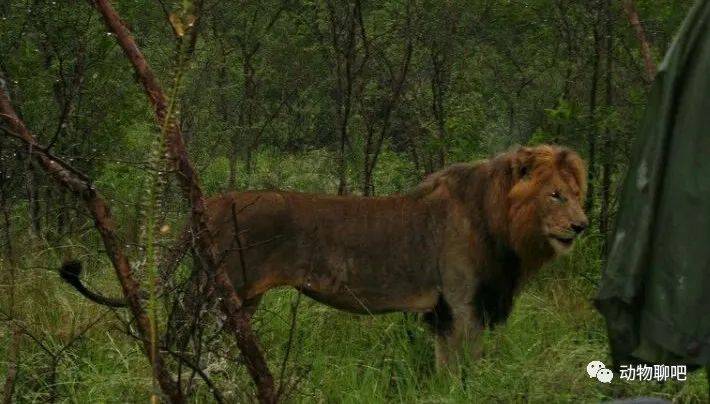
[(71, 273)]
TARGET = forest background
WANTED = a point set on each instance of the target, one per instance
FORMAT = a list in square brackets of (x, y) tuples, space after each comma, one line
[(344, 97)]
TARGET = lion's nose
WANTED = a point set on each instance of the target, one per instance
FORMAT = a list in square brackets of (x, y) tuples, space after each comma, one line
[(579, 227)]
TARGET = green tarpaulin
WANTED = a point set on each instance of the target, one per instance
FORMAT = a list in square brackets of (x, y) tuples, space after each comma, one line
[(655, 289)]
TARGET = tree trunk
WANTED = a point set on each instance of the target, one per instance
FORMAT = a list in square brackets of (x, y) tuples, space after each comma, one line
[(633, 16), (342, 104), (232, 181), (347, 71), (438, 92), (368, 186), (593, 127), (368, 164), (82, 187), (342, 164), (13, 353), (373, 145), (604, 214), (5, 207), (225, 117), (343, 116), (31, 189), (238, 321), (247, 115)]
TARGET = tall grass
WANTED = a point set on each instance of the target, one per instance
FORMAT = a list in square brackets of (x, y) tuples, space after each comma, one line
[(540, 355)]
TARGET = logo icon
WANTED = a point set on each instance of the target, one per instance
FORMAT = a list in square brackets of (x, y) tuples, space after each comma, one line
[(598, 370)]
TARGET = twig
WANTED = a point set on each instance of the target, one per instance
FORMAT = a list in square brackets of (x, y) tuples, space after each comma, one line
[(289, 344), (216, 393), (83, 188), (633, 16), (182, 358), (238, 320)]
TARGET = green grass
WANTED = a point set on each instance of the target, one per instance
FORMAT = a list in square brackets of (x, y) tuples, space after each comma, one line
[(540, 355)]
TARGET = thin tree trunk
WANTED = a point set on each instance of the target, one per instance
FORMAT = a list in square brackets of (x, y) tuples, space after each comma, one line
[(604, 214), (368, 166), (511, 118), (411, 142), (593, 127), (31, 188), (237, 320), (347, 70), (224, 113), (232, 182), (248, 166), (343, 106), (633, 16), (82, 187), (374, 144), (346, 100), (342, 164), (5, 206), (247, 124), (438, 92), (13, 353)]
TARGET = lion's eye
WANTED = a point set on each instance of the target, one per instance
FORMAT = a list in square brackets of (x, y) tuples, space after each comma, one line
[(556, 196)]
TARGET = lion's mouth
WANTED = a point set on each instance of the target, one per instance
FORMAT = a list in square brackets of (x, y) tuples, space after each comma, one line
[(565, 241), (561, 243)]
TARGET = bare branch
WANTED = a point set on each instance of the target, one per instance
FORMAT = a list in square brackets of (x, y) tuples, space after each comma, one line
[(104, 223), (633, 16), (238, 320)]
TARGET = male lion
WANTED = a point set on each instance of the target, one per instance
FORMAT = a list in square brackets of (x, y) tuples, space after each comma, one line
[(456, 248)]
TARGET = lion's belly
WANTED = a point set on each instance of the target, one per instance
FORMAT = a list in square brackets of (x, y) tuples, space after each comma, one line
[(355, 286), (370, 302), (365, 255)]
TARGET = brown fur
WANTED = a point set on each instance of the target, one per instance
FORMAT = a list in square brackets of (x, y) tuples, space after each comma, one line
[(457, 247)]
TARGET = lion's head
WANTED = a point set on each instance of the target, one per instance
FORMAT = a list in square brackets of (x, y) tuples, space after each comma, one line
[(530, 198), (545, 212)]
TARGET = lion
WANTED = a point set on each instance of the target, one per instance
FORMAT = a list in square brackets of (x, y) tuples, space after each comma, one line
[(457, 248)]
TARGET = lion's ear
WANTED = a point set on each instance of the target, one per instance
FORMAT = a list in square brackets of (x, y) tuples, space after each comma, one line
[(522, 163)]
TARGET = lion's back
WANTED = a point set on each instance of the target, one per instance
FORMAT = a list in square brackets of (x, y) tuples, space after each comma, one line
[(384, 248)]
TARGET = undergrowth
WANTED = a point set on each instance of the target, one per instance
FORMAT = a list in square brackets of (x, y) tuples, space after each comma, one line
[(539, 355)]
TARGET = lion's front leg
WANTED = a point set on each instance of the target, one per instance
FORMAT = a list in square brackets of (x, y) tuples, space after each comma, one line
[(461, 340)]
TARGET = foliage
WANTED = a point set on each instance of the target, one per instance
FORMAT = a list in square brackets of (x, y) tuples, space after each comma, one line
[(263, 106)]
